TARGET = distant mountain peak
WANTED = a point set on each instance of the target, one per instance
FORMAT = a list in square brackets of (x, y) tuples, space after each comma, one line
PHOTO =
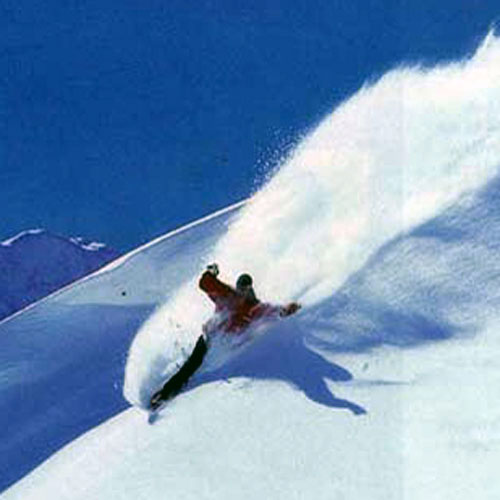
[(38, 234), (36, 262)]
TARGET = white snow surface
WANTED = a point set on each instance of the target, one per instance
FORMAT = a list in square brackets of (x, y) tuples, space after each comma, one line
[(385, 224), (62, 359)]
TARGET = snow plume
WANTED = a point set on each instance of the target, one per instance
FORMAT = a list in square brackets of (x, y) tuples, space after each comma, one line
[(394, 155)]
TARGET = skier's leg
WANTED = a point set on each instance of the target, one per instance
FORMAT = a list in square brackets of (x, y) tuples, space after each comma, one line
[(195, 359), (175, 383)]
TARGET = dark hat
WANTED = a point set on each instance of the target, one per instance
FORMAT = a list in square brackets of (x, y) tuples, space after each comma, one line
[(244, 281)]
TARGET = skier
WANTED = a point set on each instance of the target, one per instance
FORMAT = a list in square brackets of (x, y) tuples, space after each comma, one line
[(235, 309)]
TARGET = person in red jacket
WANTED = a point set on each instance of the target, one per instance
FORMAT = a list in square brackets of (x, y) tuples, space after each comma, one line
[(236, 308)]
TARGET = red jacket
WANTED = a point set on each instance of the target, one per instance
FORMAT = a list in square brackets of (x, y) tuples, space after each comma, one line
[(236, 310)]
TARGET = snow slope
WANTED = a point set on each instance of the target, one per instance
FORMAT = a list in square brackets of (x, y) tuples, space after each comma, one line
[(385, 223), (62, 359), (35, 263)]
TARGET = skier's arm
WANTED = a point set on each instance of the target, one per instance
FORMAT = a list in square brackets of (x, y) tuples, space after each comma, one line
[(213, 287)]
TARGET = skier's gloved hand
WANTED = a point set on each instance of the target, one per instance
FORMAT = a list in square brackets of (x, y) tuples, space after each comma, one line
[(289, 309), (213, 269)]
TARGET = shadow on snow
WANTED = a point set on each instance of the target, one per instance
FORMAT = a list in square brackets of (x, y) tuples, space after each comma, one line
[(283, 354), (438, 281)]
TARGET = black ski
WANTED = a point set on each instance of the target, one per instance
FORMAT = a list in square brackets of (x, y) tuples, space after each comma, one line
[(174, 384)]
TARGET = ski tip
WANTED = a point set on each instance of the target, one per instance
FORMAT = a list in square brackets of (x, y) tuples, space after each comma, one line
[(152, 417), (155, 409)]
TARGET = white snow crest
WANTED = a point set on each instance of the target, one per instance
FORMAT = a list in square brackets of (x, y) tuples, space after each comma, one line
[(395, 154), (30, 232)]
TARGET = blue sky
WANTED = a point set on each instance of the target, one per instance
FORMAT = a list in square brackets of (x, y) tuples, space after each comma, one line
[(124, 119)]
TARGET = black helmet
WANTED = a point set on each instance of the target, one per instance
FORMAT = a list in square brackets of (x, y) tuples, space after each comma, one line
[(244, 281)]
